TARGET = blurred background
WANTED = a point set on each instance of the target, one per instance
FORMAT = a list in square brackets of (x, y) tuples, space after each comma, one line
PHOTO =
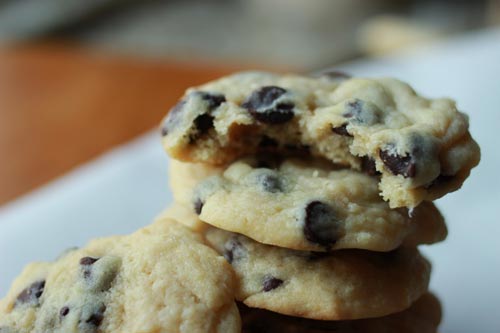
[(79, 77)]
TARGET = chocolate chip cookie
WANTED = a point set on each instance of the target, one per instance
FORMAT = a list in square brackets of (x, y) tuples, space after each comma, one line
[(423, 316), (340, 285), (159, 279), (303, 205), (419, 148)]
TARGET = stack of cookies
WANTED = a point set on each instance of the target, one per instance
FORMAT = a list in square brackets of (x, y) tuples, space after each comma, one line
[(299, 206), (318, 191)]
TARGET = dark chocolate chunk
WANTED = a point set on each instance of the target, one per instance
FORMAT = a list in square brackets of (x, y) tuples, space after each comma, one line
[(321, 225), (270, 283), (31, 295), (399, 165), (64, 311), (234, 250), (270, 182), (198, 205), (264, 105), (368, 166), (341, 130)]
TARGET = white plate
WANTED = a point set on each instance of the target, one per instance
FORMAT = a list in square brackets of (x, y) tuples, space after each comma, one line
[(123, 190)]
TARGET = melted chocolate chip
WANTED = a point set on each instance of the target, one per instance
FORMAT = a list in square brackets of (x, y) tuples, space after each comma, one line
[(270, 182), (321, 224), (399, 165), (31, 295), (64, 311), (198, 205), (368, 166), (264, 105), (233, 250), (353, 108), (341, 130), (270, 283)]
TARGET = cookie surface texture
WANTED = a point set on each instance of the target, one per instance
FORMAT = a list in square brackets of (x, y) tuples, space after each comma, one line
[(303, 205), (341, 285), (421, 147), (423, 316), (160, 279)]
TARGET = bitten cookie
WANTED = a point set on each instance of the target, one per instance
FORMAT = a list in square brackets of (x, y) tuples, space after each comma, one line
[(420, 147), (160, 279), (303, 205), (423, 316), (341, 285)]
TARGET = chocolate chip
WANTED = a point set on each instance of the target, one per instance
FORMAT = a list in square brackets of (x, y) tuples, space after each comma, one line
[(341, 130), (213, 100), (399, 165), (321, 224), (31, 295), (267, 142), (203, 123), (198, 205), (362, 113), (64, 311), (270, 182), (172, 118), (234, 250), (86, 263), (95, 318), (265, 106), (368, 166), (270, 283)]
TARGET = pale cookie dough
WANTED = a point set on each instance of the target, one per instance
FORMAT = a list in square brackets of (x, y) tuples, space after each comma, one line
[(160, 279), (341, 285), (303, 205), (423, 316), (421, 147)]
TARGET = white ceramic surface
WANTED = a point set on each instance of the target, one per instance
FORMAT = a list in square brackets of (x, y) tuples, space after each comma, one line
[(124, 189)]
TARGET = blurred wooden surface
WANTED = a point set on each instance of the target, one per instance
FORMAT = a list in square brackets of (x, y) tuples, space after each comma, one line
[(59, 107)]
